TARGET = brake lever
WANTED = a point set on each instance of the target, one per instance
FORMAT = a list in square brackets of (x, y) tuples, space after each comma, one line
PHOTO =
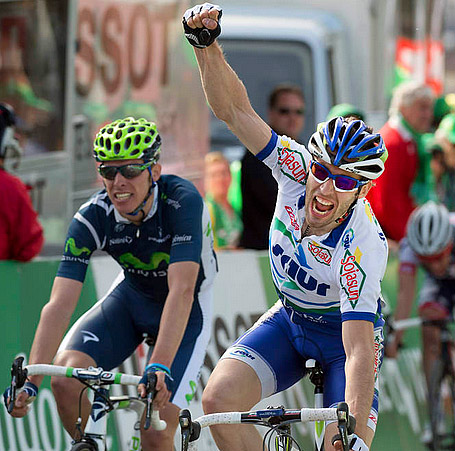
[(18, 379), (346, 424), (151, 391)]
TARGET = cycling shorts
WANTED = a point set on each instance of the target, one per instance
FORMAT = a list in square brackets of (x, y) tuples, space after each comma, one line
[(113, 328), (276, 349)]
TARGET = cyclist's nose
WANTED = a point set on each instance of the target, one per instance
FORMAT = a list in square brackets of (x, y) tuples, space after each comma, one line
[(327, 186), (118, 179)]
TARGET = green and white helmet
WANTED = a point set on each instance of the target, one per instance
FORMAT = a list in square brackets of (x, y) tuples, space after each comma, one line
[(126, 139)]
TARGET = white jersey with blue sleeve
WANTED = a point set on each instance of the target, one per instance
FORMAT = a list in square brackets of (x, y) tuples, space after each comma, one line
[(321, 278)]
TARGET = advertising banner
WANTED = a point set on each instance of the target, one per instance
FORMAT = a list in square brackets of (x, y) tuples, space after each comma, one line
[(243, 292)]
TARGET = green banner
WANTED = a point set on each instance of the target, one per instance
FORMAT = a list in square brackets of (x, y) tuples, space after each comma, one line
[(26, 289)]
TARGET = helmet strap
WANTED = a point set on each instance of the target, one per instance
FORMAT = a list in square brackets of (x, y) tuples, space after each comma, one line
[(140, 208), (351, 207)]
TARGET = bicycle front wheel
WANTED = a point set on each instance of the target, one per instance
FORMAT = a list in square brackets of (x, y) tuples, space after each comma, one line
[(442, 406)]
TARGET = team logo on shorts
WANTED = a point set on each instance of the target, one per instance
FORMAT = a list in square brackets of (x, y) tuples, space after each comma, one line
[(321, 254), (352, 278)]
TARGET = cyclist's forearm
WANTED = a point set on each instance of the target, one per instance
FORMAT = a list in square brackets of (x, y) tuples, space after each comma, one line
[(48, 336), (224, 90), (174, 320), (360, 388), (229, 100), (358, 341)]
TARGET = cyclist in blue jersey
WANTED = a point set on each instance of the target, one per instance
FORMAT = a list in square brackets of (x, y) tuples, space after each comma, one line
[(327, 255), (158, 230)]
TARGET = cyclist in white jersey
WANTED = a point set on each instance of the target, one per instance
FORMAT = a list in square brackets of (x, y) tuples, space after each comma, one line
[(327, 253)]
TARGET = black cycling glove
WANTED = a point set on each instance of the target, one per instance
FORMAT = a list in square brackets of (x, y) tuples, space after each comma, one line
[(201, 37)]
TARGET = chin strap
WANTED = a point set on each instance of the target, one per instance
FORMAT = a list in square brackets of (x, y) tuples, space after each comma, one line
[(140, 208), (348, 211)]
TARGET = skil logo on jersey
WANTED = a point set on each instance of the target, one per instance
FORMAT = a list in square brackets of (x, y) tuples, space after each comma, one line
[(321, 254), (243, 352), (352, 278), (287, 159), (292, 217), (347, 238)]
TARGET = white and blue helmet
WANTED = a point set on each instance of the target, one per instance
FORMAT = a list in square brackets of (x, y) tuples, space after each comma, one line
[(350, 145)]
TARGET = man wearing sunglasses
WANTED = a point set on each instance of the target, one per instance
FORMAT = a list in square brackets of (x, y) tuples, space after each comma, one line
[(158, 230), (327, 255), (286, 115)]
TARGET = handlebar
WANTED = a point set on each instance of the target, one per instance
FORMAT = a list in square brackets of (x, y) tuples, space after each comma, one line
[(89, 376), (271, 417)]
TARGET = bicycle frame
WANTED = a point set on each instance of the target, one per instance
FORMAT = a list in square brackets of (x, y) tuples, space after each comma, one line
[(96, 427)]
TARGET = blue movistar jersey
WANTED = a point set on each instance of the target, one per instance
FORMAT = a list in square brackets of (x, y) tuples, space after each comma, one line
[(328, 278), (176, 229)]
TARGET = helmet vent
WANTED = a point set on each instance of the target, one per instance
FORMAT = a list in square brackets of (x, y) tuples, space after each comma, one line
[(116, 148), (142, 129), (121, 125), (134, 152), (108, 144), (110, 130), (127, 144), (137, 139), (118, 135), (131, 129)]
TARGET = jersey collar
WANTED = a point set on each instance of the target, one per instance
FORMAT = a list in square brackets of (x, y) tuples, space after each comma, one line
[(121, 219)]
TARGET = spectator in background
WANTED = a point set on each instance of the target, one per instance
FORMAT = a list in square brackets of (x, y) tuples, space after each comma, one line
[(442, 148), (21, 235), (345, 110), (286, 115), (407, 180), (440, 110), (226, 222)]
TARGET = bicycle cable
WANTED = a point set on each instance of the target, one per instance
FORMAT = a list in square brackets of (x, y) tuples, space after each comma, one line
[(267, 440)]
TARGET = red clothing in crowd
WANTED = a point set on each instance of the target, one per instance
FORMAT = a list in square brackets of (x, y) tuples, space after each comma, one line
[(391, 197), (21, 235)]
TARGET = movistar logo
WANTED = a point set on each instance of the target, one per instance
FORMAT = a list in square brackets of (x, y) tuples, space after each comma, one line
[(156, 259), (208, 230), (190, 396), (74, 250)]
